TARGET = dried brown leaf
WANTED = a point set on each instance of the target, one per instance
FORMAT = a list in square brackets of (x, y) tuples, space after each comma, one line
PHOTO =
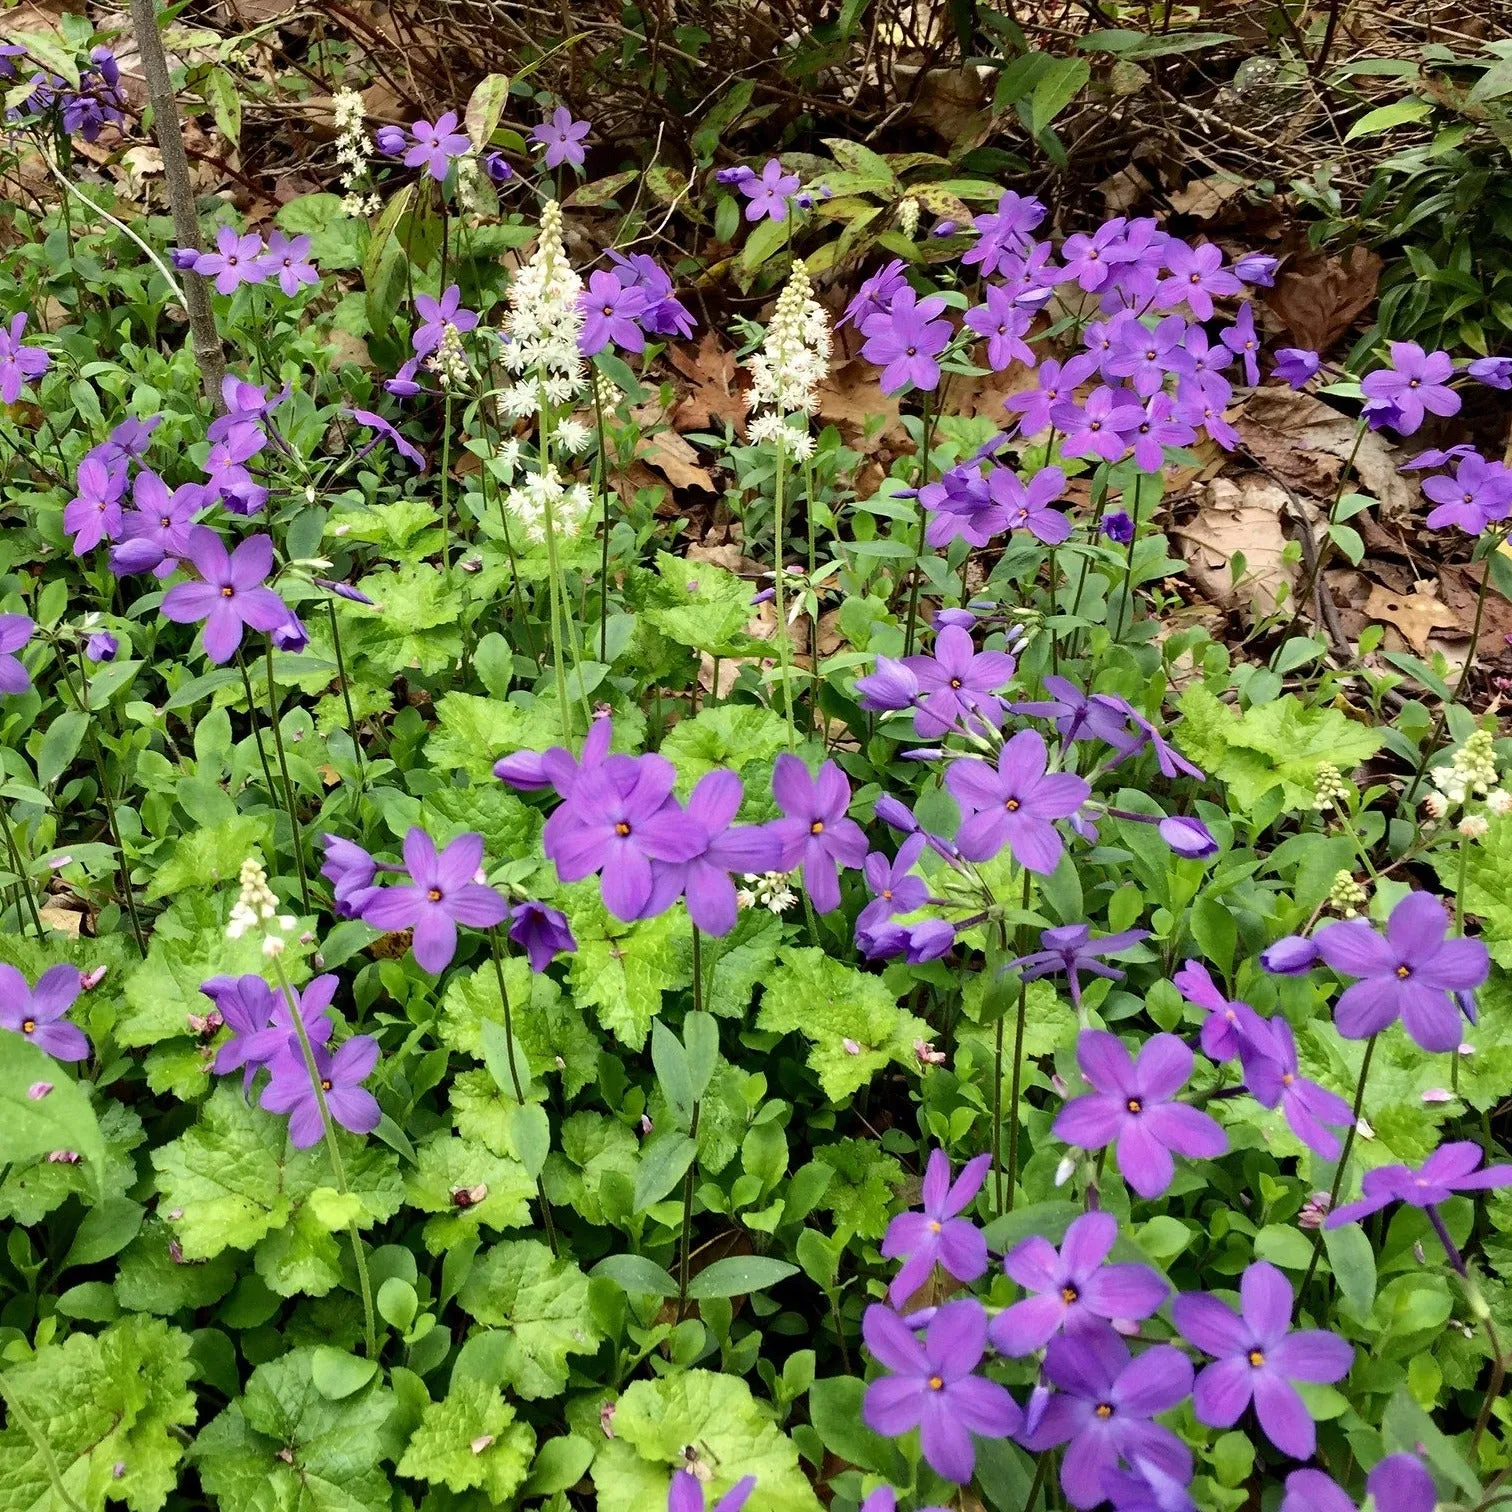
[(676, 460), (1320, 298), (715, 396), (1239, 516), (1417, 614)]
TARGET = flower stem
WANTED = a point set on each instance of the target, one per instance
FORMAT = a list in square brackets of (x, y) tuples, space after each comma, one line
[(346, 695), (1338, 1181), (333, 1150), (22, 880), (262, 754), (39, 1443), (496, 947), (1126, 608), (288, 786), (913, 592), (603, 483), (446, 427), (1018, 1065), (1041, 1466), (784, 650), (685, 1255)]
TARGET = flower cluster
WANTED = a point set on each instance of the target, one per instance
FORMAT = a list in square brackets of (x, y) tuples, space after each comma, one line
[(244, 258), (97, 102), (794, 357), (19, 363)]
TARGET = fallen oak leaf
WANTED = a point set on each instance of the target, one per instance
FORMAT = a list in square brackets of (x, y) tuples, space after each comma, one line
[(675, 459), (712, 370), (1417, 614)]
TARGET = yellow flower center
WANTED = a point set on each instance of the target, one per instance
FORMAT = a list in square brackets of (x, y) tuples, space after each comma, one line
[(1134, 1105)]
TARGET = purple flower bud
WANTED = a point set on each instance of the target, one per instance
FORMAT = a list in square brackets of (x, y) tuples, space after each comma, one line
[(924, 753), (1188, 837), (1257, 268), (764, 597), (183, 258), (737, 175), (343, 590), (943, 228), (804, 200), (89, 980), (928, 941), (522, 769), (498, 167), (892, 686), (896, 814), (292, 635), (38, 1090), (392, 140), (1496, 372), (963, 619), (1290, 956), (102, 647), (1118, 527)]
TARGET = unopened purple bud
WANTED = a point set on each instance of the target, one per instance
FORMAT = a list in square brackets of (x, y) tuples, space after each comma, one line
[(1188, 837), (102, 647), (964, 619), (1314, 1211), (1034, 1408), (1118, 527), (804, 200), (1290, 956), (183, 258), (928, 941), (89, 980), (292, 635), (736, 175), (343, 590), (498, 167), (392, 140), (896, 814), (943, 228), (522, 769), (924, 753), (764, 597), (1257, 268), (38, 1090)]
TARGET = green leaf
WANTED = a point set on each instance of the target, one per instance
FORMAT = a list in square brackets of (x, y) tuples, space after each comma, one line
[(561, 1463), (664, 1161), (835, 1409), (470, 1441), (850, 1018), (150, 1280), (467, 1186), (592, 1147), (102, 1402), (739, 1275), (484, 107), (621, 970), (284, 1446), (1283, 1245), (860, 1193), (1385, 117), (671, 1063), (105, 1231), (336, 1374), (731, 1435), (60, 745), (224, 99), (1057, 87), (542, 1302), (34, 1123), (637, 1275), (210, 857), (1049, 1220), (1351, 1257)]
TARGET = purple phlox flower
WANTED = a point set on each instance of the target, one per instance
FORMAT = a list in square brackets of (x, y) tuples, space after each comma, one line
[(260, 1021), (341, 1075), (1071, 948), (1416, 382), (391, 140), (1187, 836), (1170, 761), (351, 871), (1146, 1488), (378, 423), (1101, 426), (562, 137), (816, 834), (897, 815), (1291, 955), (703, 880), (9, 52), (236, 446), (102, 646), (1015, 804), (932, 1386), (1196, 276), (1257, 1357), (237, 260), (1478, 493), (1006, 232), (94, 514), (1257, 268), (19, 364), (956, 680), (618, 818), (876, 294), (891, 686), (1437, 457), (883, 1499), (541, 931), (1383, 414), (1269, 1055), (665, 314), (1072, 1289), (1203, 362), (1411, 973), (403, 385), (685, 1494), (1133, 1105), (97, 102), (736, 175), (938, 1234), (1082, 716), (1159, 429), (768, 191), (1138, 262), (1142, 355), (128, 442), (288, 260), (916, 943), (1029, 281), (960, 504), (435, 144), (1313, 1491), (611, 310), (1197, 404), (1401, 1483), (1118, 527), (15, 631), (37, 1013), (1057, 384), (155, 534), (342, 590), (1097, 338), (1296, 365), (247, 404), (443, 892), (894, 890), (291, 636), (1090, 259), (1229, 1022), (1031, 507), (557, 767), (435, 315), (1002, 324), (1243, 341), (231, 594), (1102, 1408), (1450, 1169), (906, 340), (1494, 372)]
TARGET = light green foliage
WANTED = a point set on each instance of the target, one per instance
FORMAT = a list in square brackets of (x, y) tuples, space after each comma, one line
[(620, 971), (467, 1186), (471, 1439), (862, 1190), (591, 1146)]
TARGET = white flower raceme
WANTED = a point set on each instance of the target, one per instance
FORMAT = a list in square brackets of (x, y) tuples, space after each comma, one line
[(794, 358), (449, 361), (1473, 769), (571, 436), (1328, 786), (348, 116), (1474, 826), (255, 904), (544, 495), (1498, 802), (908, 216), (765, 430), (544, 319)]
